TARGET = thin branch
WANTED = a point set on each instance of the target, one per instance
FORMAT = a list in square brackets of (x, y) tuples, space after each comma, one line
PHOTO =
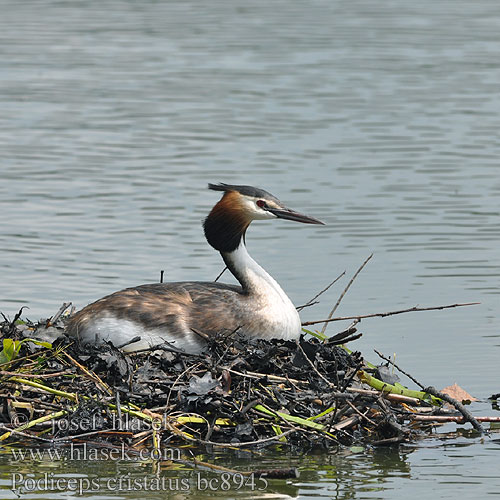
[(400, 398), (89, 374), (345, 424), (346, 335), (220, 274), (34, 375), (332, 312), (255, 375), (467, 415), (12, 324), (362, 415), (101, 432), (391, 313), (24, 434), (449, 418), (187, 370), (311, 364), (312, 301), (137, 338), (309, 304), (229, 445), (400, 369), (58, 314)]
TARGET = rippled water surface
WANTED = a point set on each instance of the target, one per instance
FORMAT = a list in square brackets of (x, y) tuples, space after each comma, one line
[(380, 118)]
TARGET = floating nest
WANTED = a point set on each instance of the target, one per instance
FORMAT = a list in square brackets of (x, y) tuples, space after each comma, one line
[(239, 393)]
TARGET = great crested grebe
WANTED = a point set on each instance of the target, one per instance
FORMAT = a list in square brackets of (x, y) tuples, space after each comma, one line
[(184, 313)]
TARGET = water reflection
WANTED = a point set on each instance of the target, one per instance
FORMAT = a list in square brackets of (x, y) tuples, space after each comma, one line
[(348, 473), (339, 475)]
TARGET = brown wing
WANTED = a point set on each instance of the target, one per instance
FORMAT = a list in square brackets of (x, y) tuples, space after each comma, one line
[(174, 307)]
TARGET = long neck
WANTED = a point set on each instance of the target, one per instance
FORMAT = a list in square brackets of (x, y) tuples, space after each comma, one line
[(225, 229), (252, 277)]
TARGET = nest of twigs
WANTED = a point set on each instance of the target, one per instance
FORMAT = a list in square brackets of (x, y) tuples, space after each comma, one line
[(239, 393)]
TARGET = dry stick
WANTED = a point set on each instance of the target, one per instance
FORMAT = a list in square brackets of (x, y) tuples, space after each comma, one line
[(346, 335), (228, 445), (187, 370), (118, 406), (142, 439), (34, 375), (386, 441), (40, 404), (400, 398), (25, 434), (256, 375), (450, 418), (459, 406), (332, 312), (220, 274), (345, 424), (33, 355), (276, 378), (59, 313), (362, 415), (330, 384), (131, 341), (92, 433), (91, 375), (310, 302), (166, 346), (12, 323), (400, 370), (390, 313), (467, 415), (249, 406)]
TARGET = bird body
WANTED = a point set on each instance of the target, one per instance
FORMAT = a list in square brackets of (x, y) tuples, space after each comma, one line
[(185, 313)]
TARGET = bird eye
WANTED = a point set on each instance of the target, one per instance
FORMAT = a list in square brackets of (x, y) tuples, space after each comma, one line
[(261, 204)]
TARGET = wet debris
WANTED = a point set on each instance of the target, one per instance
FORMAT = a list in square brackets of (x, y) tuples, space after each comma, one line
[(248, 393)]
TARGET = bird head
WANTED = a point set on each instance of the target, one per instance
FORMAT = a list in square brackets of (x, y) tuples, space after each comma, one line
[(239, 206)]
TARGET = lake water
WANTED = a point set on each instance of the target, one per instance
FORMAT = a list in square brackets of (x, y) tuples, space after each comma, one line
[(380, 118)]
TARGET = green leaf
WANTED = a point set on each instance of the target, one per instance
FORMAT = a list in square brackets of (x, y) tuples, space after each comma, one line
[(318, 335), (11, 348), (42, 343), (322, 414), (8, 351)]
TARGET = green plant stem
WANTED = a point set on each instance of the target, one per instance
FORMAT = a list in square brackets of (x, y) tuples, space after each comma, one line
[(399, 389), (32, 423)]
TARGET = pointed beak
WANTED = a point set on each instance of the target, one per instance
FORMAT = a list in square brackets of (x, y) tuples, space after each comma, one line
[(286, 213)]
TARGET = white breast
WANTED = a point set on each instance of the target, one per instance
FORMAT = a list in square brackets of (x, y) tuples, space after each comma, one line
[(268, 298), (120, 331)]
